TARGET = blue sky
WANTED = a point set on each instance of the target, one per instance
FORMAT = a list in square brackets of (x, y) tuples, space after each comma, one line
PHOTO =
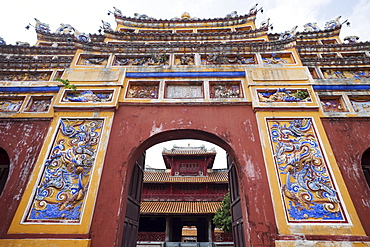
[(86, 16)]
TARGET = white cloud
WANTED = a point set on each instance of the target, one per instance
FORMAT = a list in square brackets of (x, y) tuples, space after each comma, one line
[(86, 17)]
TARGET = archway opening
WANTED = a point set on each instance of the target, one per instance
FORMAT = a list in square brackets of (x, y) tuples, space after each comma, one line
[(365, 163), (160, 215), (4, 168)]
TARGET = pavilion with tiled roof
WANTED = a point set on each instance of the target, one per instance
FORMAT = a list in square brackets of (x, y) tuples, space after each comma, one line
[(186, 194)]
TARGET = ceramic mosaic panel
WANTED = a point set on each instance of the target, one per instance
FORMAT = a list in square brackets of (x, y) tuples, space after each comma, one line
[(63, 186), (330, 104), (144, 90), (343, 74), (306, 183), (184, 59), (25, 76), (225, 90), (38, 104), (156, 59), (360, 104), (232, 59), (88, 96), (11, 104), (284, 95), (277, 58), (93, 60)]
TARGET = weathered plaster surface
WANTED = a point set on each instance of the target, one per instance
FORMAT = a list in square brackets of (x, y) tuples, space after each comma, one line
[(22, 140)]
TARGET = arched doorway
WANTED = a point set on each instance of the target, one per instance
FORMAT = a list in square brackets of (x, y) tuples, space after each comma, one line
[(4, 168), (365, 164), (131, 222)]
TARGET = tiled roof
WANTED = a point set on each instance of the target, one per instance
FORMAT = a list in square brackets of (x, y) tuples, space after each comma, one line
[(188, 151), (179, 207), (164, 177)]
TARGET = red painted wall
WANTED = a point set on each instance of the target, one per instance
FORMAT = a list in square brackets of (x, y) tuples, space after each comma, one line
[(22, 140), (349, 138), (136, 128)]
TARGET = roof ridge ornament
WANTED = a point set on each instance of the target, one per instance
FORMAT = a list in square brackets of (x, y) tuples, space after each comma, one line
[(288, 34), (311, 27), (233, 14), (254, 10), (266, 24), (42, 26)]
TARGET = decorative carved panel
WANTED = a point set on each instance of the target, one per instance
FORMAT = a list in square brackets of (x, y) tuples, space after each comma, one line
[(360, 104), (307, 186), (64, 183), (225, 90), (90, 96), (332, 104), (143, 90), (38, 104), (284, 95), (25, 76), (11, 104)]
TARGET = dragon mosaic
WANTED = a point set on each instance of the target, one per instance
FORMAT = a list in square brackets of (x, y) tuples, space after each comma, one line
[(64, 183), (308, 192)]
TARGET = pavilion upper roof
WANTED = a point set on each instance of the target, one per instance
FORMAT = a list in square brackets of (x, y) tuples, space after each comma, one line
[(170, 207), (165, 177), (185, 21), (176, 150)]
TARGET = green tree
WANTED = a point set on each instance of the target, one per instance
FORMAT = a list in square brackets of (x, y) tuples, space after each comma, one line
[(222, 218), (67, 84)]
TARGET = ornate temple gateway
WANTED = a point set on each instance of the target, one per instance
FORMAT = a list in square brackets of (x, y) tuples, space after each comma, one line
[(78, 111)]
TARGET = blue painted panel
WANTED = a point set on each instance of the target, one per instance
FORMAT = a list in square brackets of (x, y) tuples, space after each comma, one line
[(185, 74), (341, 87), (28, 89)]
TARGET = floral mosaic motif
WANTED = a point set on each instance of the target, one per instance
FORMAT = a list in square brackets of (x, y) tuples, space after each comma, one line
[(342, 74), (218, 58), (38, 104), (360, 105), (94, 60), (143, 91), (273, 59), (225, 91), (305, 181), (284, 95), (184, 60), (88, 96), (361, 74), (156, 59), (10, 104), (332, 105), (63, 186), (25, 76)]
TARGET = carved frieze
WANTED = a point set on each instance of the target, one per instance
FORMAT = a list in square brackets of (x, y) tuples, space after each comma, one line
[(25, 76), (284, 95), (144, 90), (225, 90), (232, 59), (360, 104), (330, 104), (10, 104), (38, 104), (156, 59), (88, 96)]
